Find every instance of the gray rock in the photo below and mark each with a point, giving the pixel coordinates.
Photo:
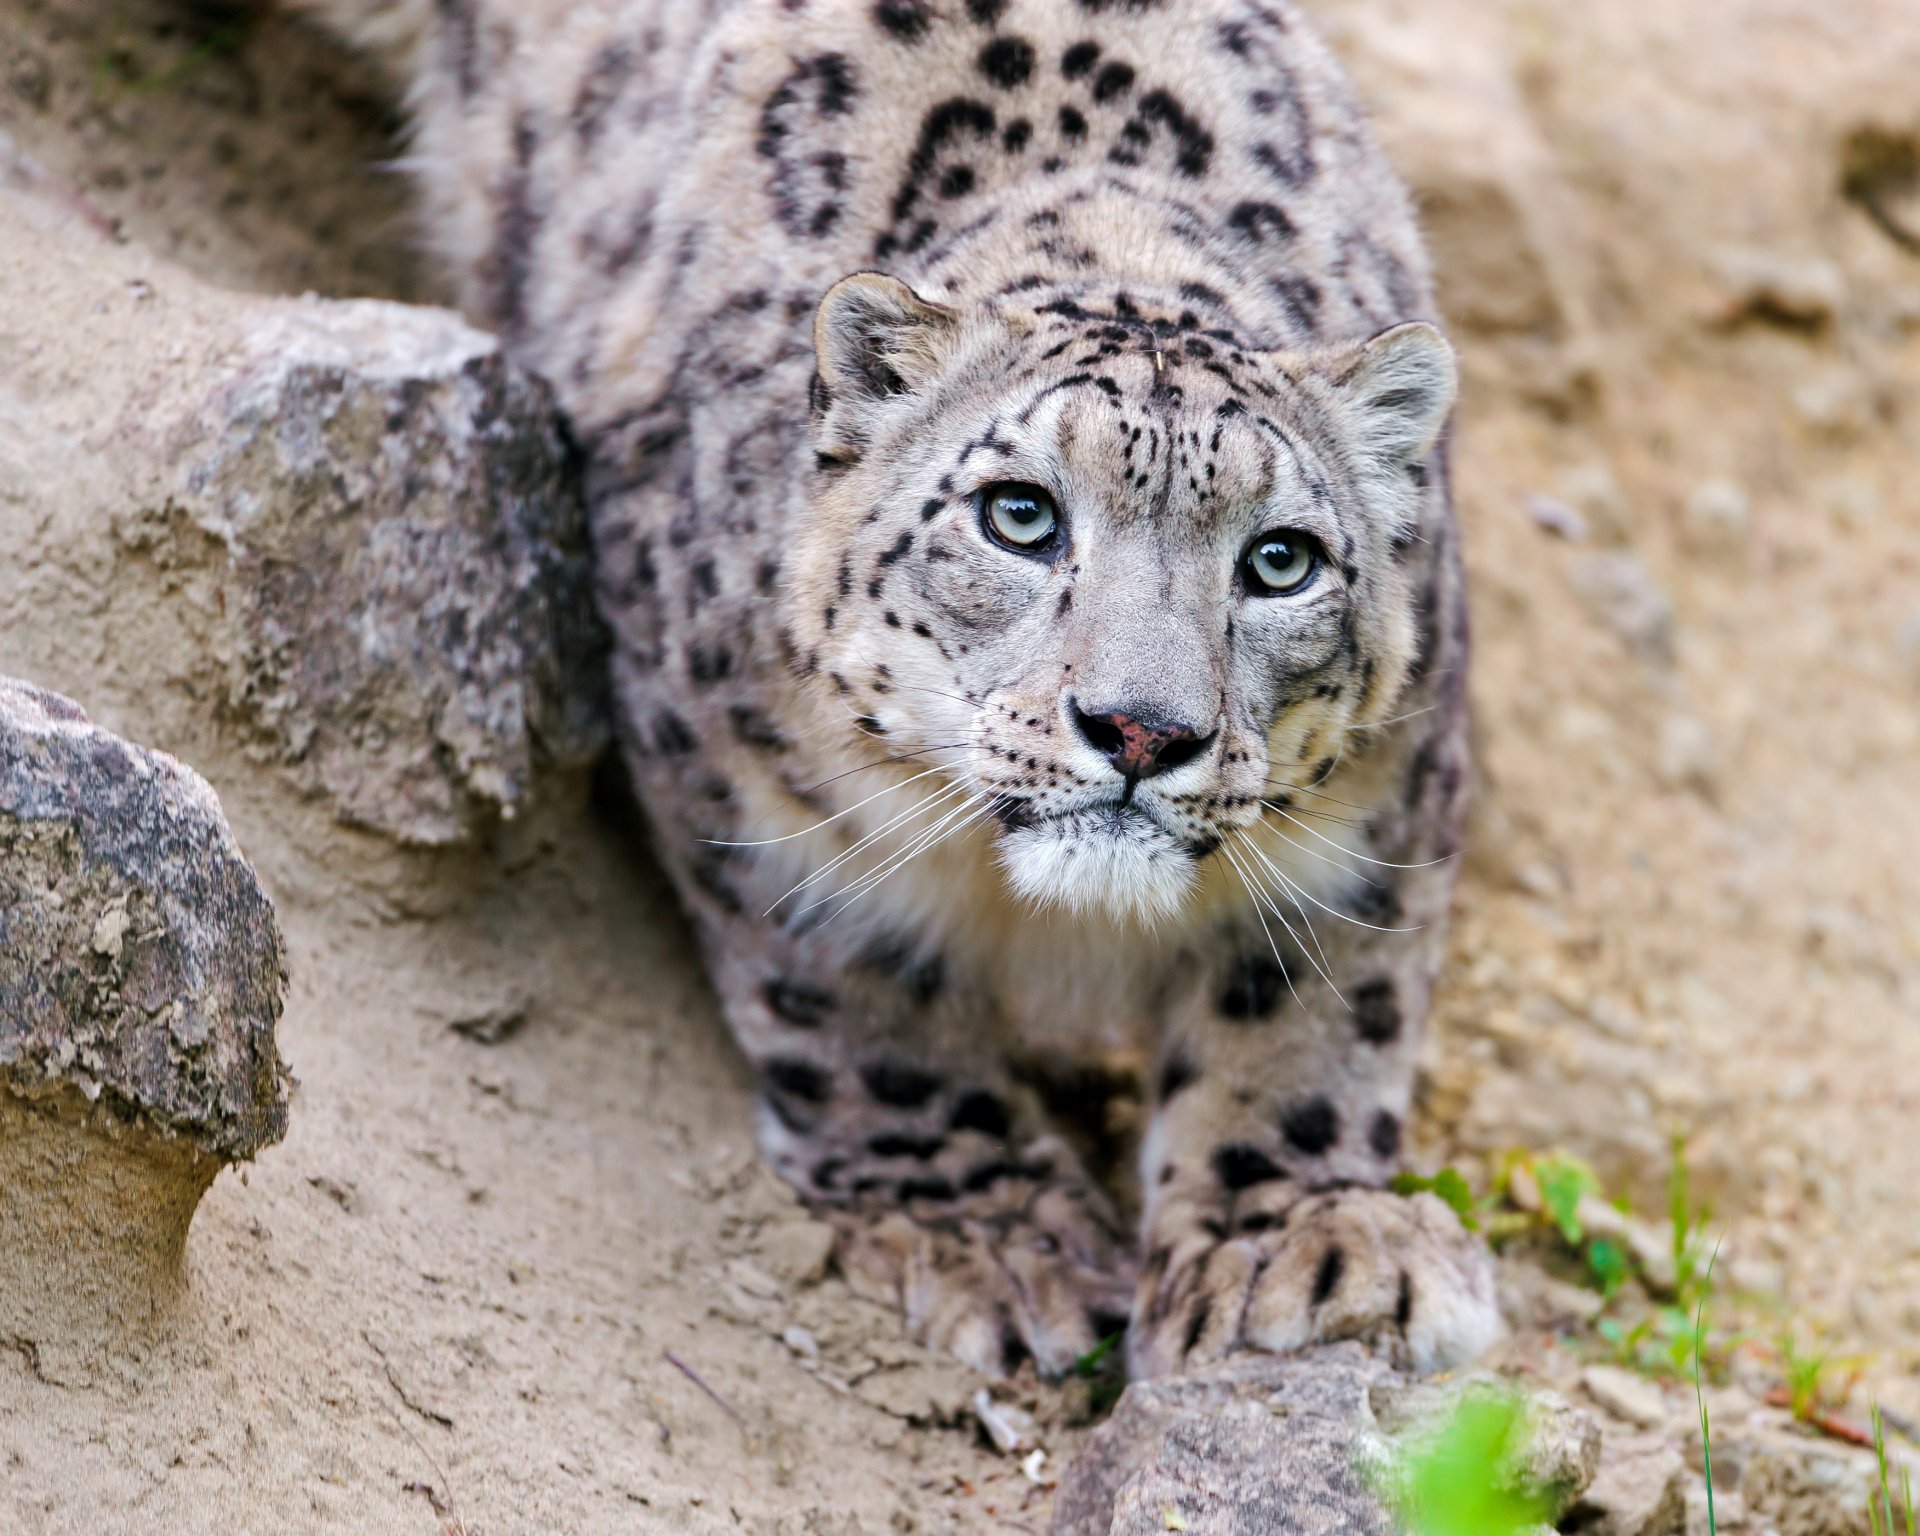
(396, 514)
(141, 969)
(1563, 1443)
(1802, 1487)
(1265, 1445)
(1781, 288)
(1625, 1395)
(349, 536)
(1639, 1489)
(1261, 1444)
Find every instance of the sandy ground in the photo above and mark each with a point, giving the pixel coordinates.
(456, 1295)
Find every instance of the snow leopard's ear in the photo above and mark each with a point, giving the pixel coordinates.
(1397, 387)
(873, 338)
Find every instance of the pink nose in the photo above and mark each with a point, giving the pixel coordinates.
(1139, 748)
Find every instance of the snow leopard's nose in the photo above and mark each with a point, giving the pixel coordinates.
(1140, 746)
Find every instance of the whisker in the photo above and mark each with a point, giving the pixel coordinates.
(1318, 794)
(921, 807)
(1377, 725)
(1286, 973)
(1296, 890)
(898, 757)
(1363, 857)
(1338, 821)
(1325, 967)
(766, 842)
(964, 815)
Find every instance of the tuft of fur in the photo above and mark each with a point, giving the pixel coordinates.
(1099, 863)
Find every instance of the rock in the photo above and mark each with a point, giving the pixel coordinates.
(1620, 592)
(1718, 516)
(1260, 1444)
(1805, 292)
(1687, 757)
(1455, 117)
(1294, 1444)
(347, 536)
(798, 1250)
(1836, 402)
(1557, 518)
(1640, 1489)
(398, 521)
(1592, 491)
(1625, 1395)
(1243, 1471)
(141, 977)
(1563, 1442)
(1802, 1487)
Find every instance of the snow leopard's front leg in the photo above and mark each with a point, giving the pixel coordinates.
(1282, 1096)
(885, 1104)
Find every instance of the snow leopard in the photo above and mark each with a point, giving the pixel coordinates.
(1016, 437)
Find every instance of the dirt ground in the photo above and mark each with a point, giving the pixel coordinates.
(540, 1284)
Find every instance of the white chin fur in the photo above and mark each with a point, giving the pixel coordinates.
(1099, 862)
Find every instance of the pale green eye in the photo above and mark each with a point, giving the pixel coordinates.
(1020, 516)
(1281, 562)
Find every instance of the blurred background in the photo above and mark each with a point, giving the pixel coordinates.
(1678, 244)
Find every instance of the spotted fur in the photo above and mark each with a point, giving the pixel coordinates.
(810, 277)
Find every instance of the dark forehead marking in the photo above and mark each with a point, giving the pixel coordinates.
(1072, 381)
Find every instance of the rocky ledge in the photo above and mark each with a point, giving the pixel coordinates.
(141, 977)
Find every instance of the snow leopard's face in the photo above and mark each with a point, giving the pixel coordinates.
(1121, 579)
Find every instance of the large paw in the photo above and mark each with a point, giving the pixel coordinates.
(1398, 1273)
(1029, 1267)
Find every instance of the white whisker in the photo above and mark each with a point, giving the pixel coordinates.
(1266, 897)
(1364, 858)
(1378, 725)
(1297, 890)
(955, 821)
(767, 842)
(919, 808)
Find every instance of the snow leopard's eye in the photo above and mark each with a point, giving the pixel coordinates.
(1280, 562)
(1022, 517)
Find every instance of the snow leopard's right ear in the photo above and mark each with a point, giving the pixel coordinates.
(874, 338)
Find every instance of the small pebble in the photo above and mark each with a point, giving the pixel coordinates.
(803, 1344)
(1790, 290)
(1625, 1395)
(1718, 515)
(1557, 518)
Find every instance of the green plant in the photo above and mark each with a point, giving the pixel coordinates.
(1450, 1186)
(1689, 1224)
(1107, 1380)
(1806, 1377)
(1881, 1513)
(1564, 1182)
(1465, 1478)
(1700, 1402)
(1667, 1340)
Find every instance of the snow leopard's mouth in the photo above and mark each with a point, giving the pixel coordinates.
(1116, 818)
(1107, 858)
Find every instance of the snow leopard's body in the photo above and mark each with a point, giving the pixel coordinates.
(1133, 253)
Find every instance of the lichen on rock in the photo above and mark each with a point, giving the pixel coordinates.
(140, 964)
(409, 625)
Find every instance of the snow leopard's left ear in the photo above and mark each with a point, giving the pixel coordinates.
(874, 338)
(1397, 387)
